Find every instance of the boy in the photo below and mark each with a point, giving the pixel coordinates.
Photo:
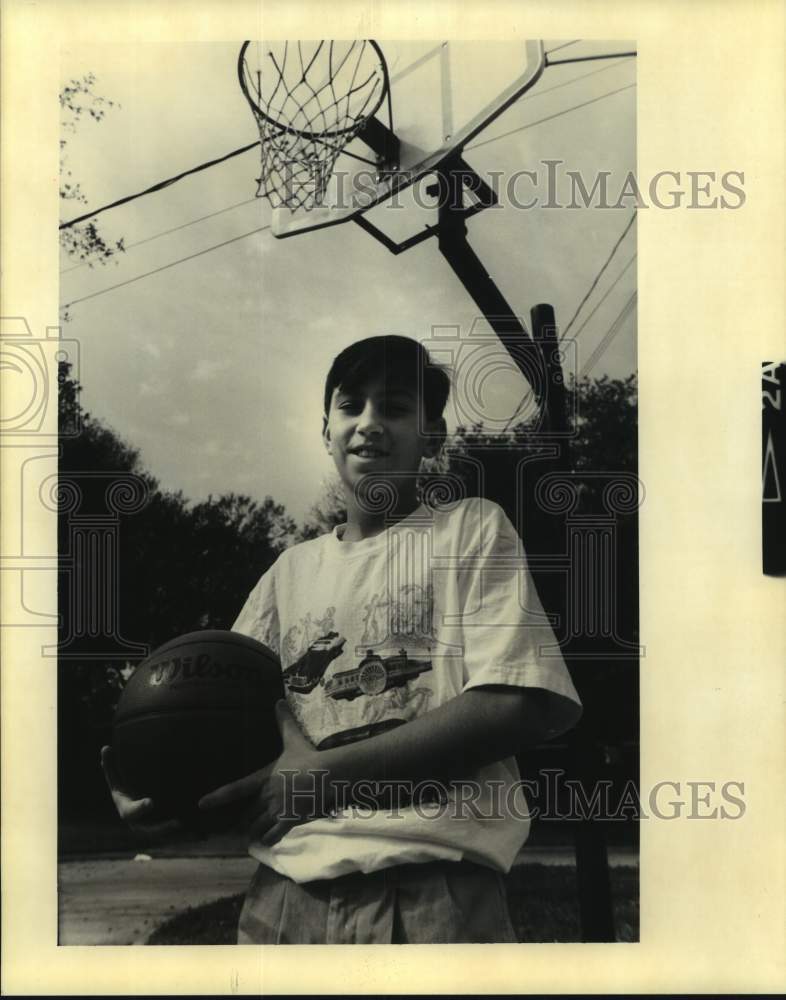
(410, 643)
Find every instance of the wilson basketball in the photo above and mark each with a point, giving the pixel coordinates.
(197, 714)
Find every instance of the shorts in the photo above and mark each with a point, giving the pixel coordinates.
(437, 902)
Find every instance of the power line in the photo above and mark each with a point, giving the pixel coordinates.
(164, 267)
(244, 149)
(160, 186)
(237, 152)
(596, 354)
(167, 232)
(516, 412)
(534, 94)
(598, 276)
(202, 218)
(563, 46)
(549, 118)
(610, 334)
(605, 295)
(578, 59)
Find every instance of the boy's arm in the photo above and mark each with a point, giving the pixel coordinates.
(478, 727)
(482, 725)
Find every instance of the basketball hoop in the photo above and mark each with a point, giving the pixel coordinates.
(310, 100)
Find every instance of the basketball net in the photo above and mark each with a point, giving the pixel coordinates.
(310, 100)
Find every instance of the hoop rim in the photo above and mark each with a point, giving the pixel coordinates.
(317, 136)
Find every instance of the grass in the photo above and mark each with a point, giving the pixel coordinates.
(542, 900)
(213, 923)
(544, 905)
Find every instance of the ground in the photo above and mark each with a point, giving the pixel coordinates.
(122, 900)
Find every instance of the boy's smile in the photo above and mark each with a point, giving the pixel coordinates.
(368, 452)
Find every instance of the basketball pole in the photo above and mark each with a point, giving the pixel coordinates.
(592, 863)
(466, 265)
(537, 358)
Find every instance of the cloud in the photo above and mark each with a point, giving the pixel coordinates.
(217, 448)
(207, 369)
(150, 389)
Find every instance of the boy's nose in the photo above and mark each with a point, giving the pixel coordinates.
(370, 420)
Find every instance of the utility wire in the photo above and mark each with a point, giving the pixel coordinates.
(217, 246)
(578, 59)
(244, 149)
(160, 186)
(167, 232)
(605, 295)
(603, 344)
(164, 267)
(610, 334)
(525, 398)
(563, 46)
(598, 276)
(549, 118)
(534, 94)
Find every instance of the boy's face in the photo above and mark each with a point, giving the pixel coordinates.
(379, 428)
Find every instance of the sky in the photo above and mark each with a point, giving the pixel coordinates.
(214, 366)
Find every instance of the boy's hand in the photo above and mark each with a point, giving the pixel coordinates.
(137, 814)
(280, 801)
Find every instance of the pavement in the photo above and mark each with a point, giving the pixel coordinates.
(121, 900)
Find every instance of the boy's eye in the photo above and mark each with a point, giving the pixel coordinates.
(392, 408)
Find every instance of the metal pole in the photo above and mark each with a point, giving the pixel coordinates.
(596, 908)
(466, 265)
(544, 330)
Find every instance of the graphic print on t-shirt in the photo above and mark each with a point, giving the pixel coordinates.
(343, 690)
(308, 671)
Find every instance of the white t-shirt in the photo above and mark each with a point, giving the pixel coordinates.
(374, 633)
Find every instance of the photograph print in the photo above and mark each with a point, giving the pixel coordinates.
(348, 494)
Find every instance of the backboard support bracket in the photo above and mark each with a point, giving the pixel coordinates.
(383, 141)
(454, 177)
(452, 171)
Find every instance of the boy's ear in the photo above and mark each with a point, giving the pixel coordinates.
(326, 436)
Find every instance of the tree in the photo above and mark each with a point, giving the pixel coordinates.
(604, 440)
(82, 242)
(606, 429)
(329, 510)
(235, 540)
(180, 567)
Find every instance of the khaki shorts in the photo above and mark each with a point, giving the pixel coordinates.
(438, 902)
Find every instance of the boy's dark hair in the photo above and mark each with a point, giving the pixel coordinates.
(395, 358)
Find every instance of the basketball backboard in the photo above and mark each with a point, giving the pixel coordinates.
(442, 94)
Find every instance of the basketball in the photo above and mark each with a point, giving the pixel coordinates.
(197, 714)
